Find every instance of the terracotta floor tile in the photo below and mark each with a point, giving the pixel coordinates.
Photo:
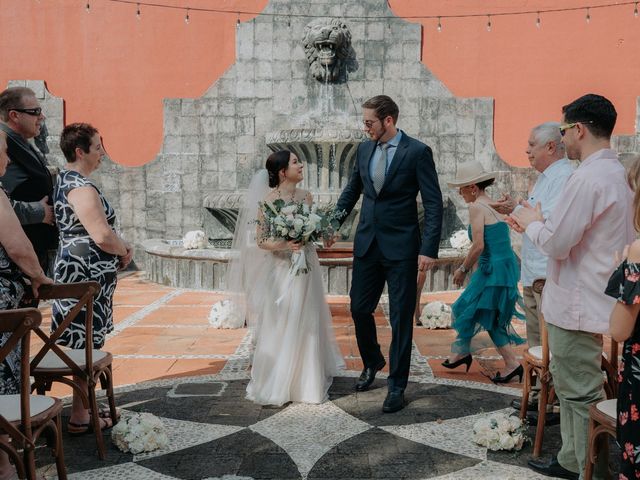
(178, 315)
(196, 298)
(186, 367)
(120, 313)
(143, 298)
(135, 370)
(214, 341)
(169, 341)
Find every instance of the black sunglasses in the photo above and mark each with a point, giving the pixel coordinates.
(36, 112)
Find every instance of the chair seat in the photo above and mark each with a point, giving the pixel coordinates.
(537, 352)
(10, 406)
(608, 407)
(51, 361)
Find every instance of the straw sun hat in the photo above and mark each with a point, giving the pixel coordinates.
(470, 173)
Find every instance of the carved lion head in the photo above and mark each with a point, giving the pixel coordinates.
(327, 44)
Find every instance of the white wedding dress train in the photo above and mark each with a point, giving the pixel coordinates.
(296, 356)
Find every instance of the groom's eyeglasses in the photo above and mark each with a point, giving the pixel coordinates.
(370, 123)
(34, 112)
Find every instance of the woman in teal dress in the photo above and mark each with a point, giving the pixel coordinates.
(489, 300)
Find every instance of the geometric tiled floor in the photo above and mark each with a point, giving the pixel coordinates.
(170, 362)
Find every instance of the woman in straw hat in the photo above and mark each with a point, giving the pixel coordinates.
(488, 302)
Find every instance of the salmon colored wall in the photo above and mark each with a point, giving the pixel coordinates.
(114, 70)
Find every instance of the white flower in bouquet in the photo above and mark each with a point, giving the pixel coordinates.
(436, 315)
(195, 239)
(499, 432)
(460, 240)
(139, 432)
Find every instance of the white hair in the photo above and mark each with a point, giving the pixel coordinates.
(549, 132)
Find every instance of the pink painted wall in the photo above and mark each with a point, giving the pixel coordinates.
(113, 70)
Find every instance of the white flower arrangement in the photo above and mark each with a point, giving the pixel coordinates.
(460, 240)
(224, 314)
(194, 240)
(436, 315)
(500, 432)
(139, 432)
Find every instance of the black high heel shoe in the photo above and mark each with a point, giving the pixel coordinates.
(466, 360)
(519, 371)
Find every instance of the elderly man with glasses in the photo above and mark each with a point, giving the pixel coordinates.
(27, 179)
(592, 219)
(546, 154)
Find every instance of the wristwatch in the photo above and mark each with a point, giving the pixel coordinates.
(462, 268)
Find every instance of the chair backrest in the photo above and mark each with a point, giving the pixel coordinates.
(19, 324)
(84, 292)
(537, 287)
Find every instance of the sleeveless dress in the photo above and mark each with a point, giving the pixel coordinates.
(624, 286)
(296, 355)
(79, 259)
(12, 289)
(489, 300)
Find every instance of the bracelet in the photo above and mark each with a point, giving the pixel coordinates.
(463, 269)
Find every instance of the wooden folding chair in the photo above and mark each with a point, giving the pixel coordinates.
(54, 364)
(602, 422)
(536, 364)
(25, 417)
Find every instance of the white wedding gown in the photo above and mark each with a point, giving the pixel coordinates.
(296, 356)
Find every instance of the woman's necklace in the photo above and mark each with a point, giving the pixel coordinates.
(286, 196)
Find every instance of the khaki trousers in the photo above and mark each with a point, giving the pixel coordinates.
(575, 367)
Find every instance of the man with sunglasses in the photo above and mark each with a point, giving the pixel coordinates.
(27, 179)
(592, 219)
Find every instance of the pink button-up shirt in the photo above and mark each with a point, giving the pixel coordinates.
(592, 219)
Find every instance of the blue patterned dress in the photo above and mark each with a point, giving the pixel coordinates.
(79, 259)
(11, 292)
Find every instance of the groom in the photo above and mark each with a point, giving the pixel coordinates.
(390, 169)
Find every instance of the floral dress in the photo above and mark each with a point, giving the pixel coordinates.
(79, 259)
(11, 292)
(624, 285)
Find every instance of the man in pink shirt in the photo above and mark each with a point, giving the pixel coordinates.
(592, 219)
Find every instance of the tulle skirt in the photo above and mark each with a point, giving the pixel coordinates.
(296, 356)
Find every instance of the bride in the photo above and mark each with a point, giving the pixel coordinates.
(296, 356)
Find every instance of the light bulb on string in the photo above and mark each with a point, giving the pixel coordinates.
(238, 20)
(88, 7)
(538, 21)
(186, 17)
(289, 21)
(588, 17)
(635, 10)
(488, 23)
(138, 12)
(439, 25)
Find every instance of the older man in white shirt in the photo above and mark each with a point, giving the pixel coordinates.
(546, 154)
(591, 221)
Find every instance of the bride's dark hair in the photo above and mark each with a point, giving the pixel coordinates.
(276, 162)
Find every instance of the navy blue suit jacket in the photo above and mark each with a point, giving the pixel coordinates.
(391, 217)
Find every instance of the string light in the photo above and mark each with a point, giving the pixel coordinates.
(439, 25)
(538, 21)
(88, 7)
(186, 17)
(138, 13)
(635, 10)
(238, 20)
(588, 17)
(488, 23)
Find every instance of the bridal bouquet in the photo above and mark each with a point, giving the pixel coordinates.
(436, 315)
(139, 432)
(500, 432)
(460, 240)
(301, 223)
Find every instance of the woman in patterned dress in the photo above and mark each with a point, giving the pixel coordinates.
(17, 259)
(624, 326)
(90, 248)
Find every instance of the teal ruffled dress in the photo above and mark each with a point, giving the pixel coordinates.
(489, 301)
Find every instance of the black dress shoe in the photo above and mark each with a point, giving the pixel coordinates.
(551, 418)
(393, 402)
(367, 376)
(517, 403)
(517, 372)
(552, 469)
